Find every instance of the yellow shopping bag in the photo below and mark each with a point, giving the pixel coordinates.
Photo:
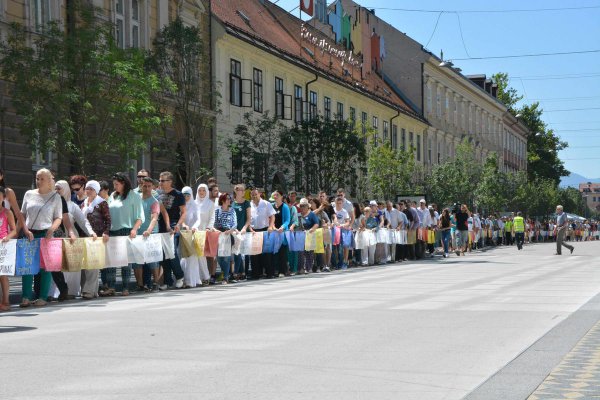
(320, 247)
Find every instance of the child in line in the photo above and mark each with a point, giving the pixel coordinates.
(7, 232)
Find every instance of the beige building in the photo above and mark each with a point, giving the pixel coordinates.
(591, 194)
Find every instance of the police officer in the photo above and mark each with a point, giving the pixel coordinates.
(519, 228)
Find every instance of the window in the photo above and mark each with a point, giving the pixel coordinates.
(42, 13)
(376, 130)
(135, 23)
(439, 152)
(403, 140)
(385, 131)
(258, 90)
(418, 147)
(298, 105)
(447, 108)
(411, 141)
(235, 83)
(438, 103)
(327, 107)
(429, 99)
(340, 111)
(236, 167)
(278, 97)
(312, 107)
(353, 117)
(364, 123)
(395, 137)
(120, 24)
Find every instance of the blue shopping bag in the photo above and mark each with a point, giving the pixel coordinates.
(299, 238)
(346, 238)
(276, 241)
(267, 242)
(28, 257)
(290, 238)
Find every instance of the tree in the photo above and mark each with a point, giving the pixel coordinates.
(490, 194)
(507, 95)
(255, 149)
(325, 154)
(389, 172)
(179, 56)
(79, 95)
(456, 179)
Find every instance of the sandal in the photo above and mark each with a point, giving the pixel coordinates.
(39, 303)
(25, 303)
(125, 292)
(4, 307)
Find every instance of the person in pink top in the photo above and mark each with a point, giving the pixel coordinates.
(7, 232)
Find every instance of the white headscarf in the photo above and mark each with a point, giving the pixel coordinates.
(88, 208)
(205, 208)
(191, 209)
(65, 191)
(203, 203)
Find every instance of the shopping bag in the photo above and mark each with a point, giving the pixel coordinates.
(267, 246)
(51, 254)
(277, 241)
(299, 239)
(257, 243)
(186, 245)
(326, 236)
(362, 240)
(168, 245)
(336, 235)
(411, 237)
(381, 235)
(310, 242)
(199, 241)
(246, 245)
(347, 238)
(135, 250)
(152, 249)
(94, 254)
(8, 258)
(403, 237)
(116, 252)
(319, 247)
(72, 260)
(211, 245)
(372, 236)
(237, 243)
(290, 238)
(28, 257)
(224, 246)
(430, 236)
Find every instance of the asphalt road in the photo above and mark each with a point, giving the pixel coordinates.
(436, 329)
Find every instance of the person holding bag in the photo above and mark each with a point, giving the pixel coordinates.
(42, 210)
(225, 222)
(307, 221)
(7, 232)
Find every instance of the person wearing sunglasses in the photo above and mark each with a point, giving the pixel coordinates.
(77, 186)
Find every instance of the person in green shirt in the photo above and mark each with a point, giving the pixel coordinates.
(519, 229)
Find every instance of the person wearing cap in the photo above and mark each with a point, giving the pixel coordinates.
(307, 221)
(95, 209)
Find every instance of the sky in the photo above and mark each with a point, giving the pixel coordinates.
(567, 86)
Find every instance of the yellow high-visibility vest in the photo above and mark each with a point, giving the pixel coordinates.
(519, 224)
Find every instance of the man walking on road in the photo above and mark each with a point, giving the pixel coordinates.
(519, 227)
(562, 224)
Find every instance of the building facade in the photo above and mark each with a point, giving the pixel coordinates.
(591, 194)
(267, 60)
(136, 23)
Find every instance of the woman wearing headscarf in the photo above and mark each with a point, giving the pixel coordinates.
(190, 265)
(42, 210)
(95, 209)
(205, 211)
(79, 224)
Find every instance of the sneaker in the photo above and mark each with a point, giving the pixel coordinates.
(326, 269)
(179, 283)
(344, 266)
(162, 287)
(445, 255)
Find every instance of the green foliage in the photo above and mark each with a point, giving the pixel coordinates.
(506, 94)
(179, 56)
(389, 172)
(256, 146)
(78, 94)
(457, 179)
(490, 192)
(325, 154)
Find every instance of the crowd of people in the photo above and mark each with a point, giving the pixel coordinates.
(79, 207)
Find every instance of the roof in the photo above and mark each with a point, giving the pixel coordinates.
(274, 29)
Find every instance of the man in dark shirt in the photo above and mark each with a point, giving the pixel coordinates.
(174, 203)
(462, 230)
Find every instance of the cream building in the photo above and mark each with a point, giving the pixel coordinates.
(263, 64)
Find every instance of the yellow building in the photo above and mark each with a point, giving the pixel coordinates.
(265, 59)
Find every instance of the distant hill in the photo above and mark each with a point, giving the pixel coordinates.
(574, 180)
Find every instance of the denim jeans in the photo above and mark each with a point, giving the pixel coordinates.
(238, 264)
(173, 265)
(446, 240)
(224, 263)
(338, 253)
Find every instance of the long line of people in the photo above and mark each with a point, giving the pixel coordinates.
(86, 208)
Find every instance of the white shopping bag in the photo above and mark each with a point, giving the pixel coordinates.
(153, 251)
(8, 258)
(168, 245)
(224, 249)
(116, 252)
